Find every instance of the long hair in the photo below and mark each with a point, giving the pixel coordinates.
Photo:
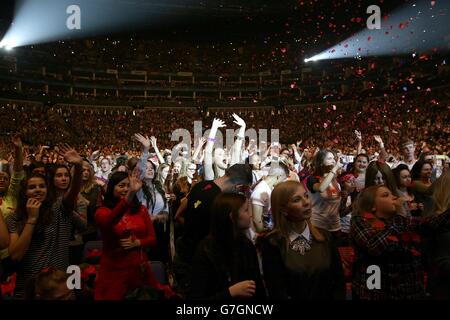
(45, 212)
(396, 171)
(88, 185)
(158, 173)
(110, 201)
(224, 215)
(386, 172)
(279, 199)
(441, 193)
(158, 187)
(366, 200)
(51, 178)
(317, 163)
(417, 168)
(181, 186)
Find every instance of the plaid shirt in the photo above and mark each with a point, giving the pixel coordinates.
(395, 249)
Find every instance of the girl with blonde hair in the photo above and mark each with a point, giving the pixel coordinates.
(299, 260)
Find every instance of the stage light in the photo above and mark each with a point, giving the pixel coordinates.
(402, 33)
(8, 44)
(45, 21)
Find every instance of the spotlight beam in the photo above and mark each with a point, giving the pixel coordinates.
(412, 29)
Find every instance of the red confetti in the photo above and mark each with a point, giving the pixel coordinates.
(369, 38)
(392, 238)
(377, 224)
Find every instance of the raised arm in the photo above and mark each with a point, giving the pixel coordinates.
(18, 153)
(383, 154)
(145, 142)
(106, 217)
(237, 146)
(72, 157)
(201, 143)
(209, 171)
(155, 147)
(327, 181)
(297, 156)
(359, 139)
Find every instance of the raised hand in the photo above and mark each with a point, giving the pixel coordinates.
(358, 135)
(378, 139)
(238, 120)
(202, 141)
(217, 123)
(144, 140)
(32, 207)
(299, 142)
(17, 142)
(135, 181)
(69, 154)
(95, 155)
(153, 141)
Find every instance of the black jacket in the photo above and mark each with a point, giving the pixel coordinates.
(213, 273)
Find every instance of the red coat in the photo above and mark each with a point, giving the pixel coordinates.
(123, 270)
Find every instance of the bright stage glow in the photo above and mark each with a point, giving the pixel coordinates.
(417, 29)
(8, 44)
(44, 21)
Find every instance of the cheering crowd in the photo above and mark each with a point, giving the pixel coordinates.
(257, 220)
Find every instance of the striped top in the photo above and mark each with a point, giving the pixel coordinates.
(48, 248)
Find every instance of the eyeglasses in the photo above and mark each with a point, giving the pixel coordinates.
(4, 178)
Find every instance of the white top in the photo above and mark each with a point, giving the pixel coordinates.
(360, 182)
(305, 234)
(158, 206)
(261, 197)
(257, 175)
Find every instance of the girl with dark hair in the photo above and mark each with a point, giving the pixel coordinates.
(385, 238)
(153, 197)
(38, 167)
(403, 180)
(59, 181)
(379, 173)
(300, 261)
(422, 186)
(225, 264)
(41, 228)
(359, 170)
(325, 192)
(126, 230)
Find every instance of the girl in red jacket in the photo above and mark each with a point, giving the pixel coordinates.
(126, 230)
